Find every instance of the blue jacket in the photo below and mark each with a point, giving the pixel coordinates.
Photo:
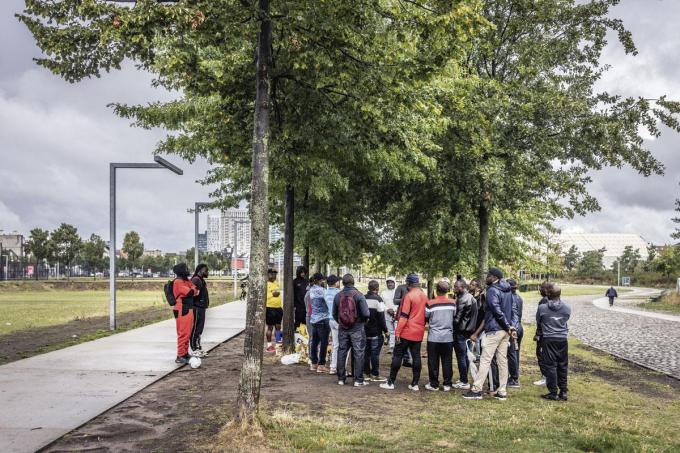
(500, 311)
(518, 308)
(611, 292)
(319, 306)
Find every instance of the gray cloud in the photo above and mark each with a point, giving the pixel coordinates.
(56, 140)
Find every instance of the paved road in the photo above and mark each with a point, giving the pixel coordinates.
(650, 339)
(46, 396)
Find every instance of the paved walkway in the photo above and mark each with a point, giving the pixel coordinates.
(46, 396)
(647, 338)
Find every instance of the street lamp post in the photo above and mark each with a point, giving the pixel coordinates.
(159, 163)
(197, 206)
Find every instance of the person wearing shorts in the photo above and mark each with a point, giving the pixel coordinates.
(274, 311)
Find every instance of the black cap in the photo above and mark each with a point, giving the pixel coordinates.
(496, 272)
(512, 282)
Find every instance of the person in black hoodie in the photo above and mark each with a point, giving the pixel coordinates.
(543, 290)
(300, 284)
(200, 306)
(375, 328)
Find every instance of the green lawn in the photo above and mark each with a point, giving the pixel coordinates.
(581, 290)
(24, 310)
(612, 407)
(670, 303)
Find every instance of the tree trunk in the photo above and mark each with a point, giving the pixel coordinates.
(288, 295)
(483, 256)
(248, 397)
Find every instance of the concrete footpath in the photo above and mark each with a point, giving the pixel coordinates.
(636, 295)
(46, 396)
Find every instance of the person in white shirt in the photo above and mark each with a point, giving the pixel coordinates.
(390, 310)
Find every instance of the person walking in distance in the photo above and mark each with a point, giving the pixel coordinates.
(184, 292)
(390, 314)
(611, 295)
(514, 348)
(350, 311)
(201, 304)
(543, 291)
(333, 282)
(464, 325)
(409, 333)
(498, 329)
(274, 309)
(553, 318)
(440, 314)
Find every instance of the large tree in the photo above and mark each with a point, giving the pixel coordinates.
(40, 246)
(530, 125)
(133, 247)
(66, 243)
(92, 253)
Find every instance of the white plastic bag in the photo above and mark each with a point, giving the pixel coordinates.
(471, 358)
(290, 359)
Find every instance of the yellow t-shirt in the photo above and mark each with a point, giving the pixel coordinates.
(272, 301)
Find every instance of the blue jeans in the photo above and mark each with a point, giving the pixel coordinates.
(460, 346)
(319, 343)
(372, 356)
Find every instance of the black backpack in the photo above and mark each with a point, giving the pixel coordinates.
(169, 293)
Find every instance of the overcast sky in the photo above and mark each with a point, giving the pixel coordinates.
(56, 140)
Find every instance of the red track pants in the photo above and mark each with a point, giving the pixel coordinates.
(183, 324)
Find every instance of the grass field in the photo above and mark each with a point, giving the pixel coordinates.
(670, 303)
(26, 309)
(613, 407)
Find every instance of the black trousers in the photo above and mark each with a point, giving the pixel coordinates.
(400, 350)
(440, 353)
(513, 357)
(555, 358)
(539, 355)
(197, 329)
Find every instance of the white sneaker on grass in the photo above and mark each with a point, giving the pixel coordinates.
(540, 381)
(387, 386)
(461, 385)
(360, 384)
(447, 388)
(415, 388)
(429, 387)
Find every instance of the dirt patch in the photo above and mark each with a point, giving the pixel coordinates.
(629, 375)
(29, 342)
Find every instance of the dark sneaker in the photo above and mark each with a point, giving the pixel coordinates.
(407, 364)
(472, 395)
(563, 396)
(550, 397)
(181, 360)
(500, 396)
(513, 384)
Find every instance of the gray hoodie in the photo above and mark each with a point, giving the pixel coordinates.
(552, 319)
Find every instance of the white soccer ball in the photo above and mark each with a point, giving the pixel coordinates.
(194, 362)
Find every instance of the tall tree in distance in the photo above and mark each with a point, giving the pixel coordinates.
(40, 246)
(676, 220)
(133, 247)
(66, 244)
(571, 258)
(93, 253)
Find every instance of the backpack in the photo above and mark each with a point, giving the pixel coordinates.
(347, 312)
(169, 293)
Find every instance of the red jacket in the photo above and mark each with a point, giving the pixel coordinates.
(181, 289)
(411, 324)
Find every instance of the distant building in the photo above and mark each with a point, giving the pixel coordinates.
(213, 234)
(203, 242)
(154, 253)
(12, 244)
(613, 243)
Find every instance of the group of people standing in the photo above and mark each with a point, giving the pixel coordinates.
(461, 318)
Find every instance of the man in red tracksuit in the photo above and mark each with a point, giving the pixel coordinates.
(184, 291)
(409, 332)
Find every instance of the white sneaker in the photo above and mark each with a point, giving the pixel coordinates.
(429, 387)
(387, 386)
(415, 388)
(341, 382)
(360, 384)
(461, 385)
(333, 371)
(447, 388)
(540, 382)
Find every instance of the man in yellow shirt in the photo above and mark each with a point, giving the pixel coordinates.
(274, 311)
